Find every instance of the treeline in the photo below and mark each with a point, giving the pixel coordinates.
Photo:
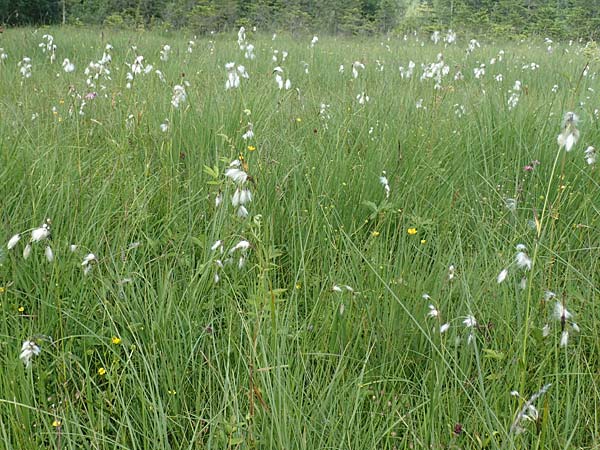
(515, 18)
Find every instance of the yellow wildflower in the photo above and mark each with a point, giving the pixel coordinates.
(116, 340)
(101, 371)
(412, 231)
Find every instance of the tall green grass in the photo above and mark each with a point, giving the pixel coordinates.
(147, 352)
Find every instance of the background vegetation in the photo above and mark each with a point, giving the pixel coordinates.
(509, 18)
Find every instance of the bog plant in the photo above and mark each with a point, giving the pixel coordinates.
(397, 249)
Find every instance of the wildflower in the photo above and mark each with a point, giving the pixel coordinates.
(564, 338)
(41, 233)
(433, 311)
(444, 328)
(561, 313)
(27, 251)
(87, 263)
(49, 253)
(115, 340)
(248, 134)
(25, 67)
(362, 98)
(384, 182)
(89, 258)
(164, 52)
(179, 95)
(56, 423)
(528, 412)
(546, 330)
(73, 247)
(412, 231)
(355, 66)
(314, 40)
(68, 66)
(278, 71)
(164, 127)
(523, 283)
(251, 148)
(502, 276)
(29, 349)
(522, 259)
(13, 241)
(237, 175)
(243, 245)
(470, 322)
(451, 268)
(590, 155)
(570, 134)
(233, 78)
(101, 371)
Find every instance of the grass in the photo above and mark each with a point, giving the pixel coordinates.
(146, 351)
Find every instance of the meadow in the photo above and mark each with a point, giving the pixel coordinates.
(345, 243)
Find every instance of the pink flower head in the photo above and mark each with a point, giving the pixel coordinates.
(90, 95)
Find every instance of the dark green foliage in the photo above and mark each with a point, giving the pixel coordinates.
(509, 18)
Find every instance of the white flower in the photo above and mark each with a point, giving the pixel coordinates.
(314, 40)
(49, 253)
(564, 338)
(164, 53)
(29, 349)
(237, 175)
(217, 245)
(68, 66)
(13, 241)
(243, 245)
(433, 312)
(179, 96)
(386, 186)
(502, 276)
(523, 283)
(164, 127)
(27, 251)
(546, 330)
(242, 212)
(561, 313)
(470, 322)
(362, 98)
(73, 247)
(248, 134)
(41, 233)
(549, 295)
(444, 328)
(218, 199)
(355, 66)
(590, 155)
(89, 258)
(523, 261)
(451, 270)
(570, 134)
(336, 288)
